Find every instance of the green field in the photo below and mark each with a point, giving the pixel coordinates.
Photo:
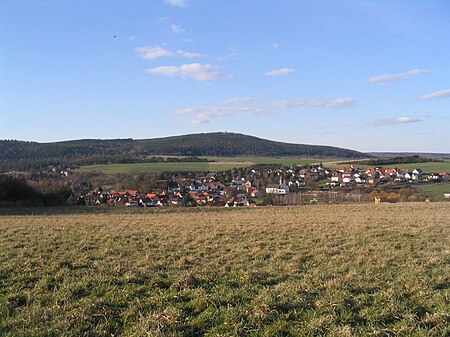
(145, 167)
(330, 270)
(222, 163)
(443, 166)
(435, 190)
(272, 160)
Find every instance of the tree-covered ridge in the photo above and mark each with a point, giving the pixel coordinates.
(20, 155)
(395, 161)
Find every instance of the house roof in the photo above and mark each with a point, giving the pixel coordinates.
(276, 186)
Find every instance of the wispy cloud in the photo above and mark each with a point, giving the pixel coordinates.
(393, 77)
(318, 103)
(394, 121)
(176, 3)
(229, 56)
(177, 29)
(237, 100)
(202, 115)
(436, 94)
(188, 54)
(273, 45)
(279, 72)
(196, 71)
(132, 37)
(150, 53)
(239, 106)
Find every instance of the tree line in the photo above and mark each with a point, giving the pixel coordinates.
(395, 161)
(20, 155)
(18, 192)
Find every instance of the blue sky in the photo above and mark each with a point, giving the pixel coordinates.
(366, 75)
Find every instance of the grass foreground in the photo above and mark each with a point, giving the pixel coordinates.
(337, 270)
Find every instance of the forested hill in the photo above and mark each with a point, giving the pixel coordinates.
(20, 155)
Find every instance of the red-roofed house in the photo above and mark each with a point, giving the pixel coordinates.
(256, 194)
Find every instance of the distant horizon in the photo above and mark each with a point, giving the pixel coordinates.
(366, 75)
(232, 132)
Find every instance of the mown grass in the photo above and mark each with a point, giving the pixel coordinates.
(430, 167)
(435, 190)
(136, 168)
(339, 270)
(226, 163)
(273, 160)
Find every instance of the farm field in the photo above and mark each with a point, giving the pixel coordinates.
(336, 270)
(272, 160)
(443, 166)
(435, 190)
(136, 168)
(215, 164)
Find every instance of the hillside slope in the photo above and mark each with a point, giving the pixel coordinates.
(19, 155)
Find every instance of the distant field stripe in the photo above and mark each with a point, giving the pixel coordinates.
(146, 167)
(443, 166)
(214, 164)
(435, 190)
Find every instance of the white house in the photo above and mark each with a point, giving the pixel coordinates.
(277, 189)
(335, 178)
(346, 178)
(416, 174)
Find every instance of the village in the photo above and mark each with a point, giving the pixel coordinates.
(257, 186)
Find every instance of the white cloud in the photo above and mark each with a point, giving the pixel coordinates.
(150, 53)
(202, 115)
(436, 94)
(392, 77)
(237, 100)
(190, 110)
(229, 56)
(132, 37)
(196, 71)
(273, 45)
(318, 103)
(279, 72)
(176, 3)
(393, 121)
(188, 54)
(177, 29)
(237, 106)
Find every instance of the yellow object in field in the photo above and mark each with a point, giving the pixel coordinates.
(377, 200)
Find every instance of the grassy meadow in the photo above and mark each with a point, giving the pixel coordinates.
(335, 270)
(443, 166)
(136, 168)
(214, 164)
(435, 190)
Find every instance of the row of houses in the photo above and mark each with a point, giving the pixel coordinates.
(241, 190)
(208, 190)
(345, 176)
